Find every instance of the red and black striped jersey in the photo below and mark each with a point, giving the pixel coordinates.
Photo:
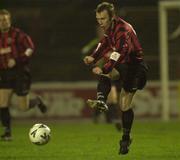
(13, 44)
(120, 38)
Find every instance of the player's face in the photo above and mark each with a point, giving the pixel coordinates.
(5, 23)
(103, 19)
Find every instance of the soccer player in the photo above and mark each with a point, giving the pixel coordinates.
(126, 57)
(16, 49)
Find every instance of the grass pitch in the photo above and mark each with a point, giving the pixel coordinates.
(86, 141)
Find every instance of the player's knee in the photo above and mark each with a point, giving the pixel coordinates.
(125, 105)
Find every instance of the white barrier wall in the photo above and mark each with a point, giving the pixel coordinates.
(68, 100)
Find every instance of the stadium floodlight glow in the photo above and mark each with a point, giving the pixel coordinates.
(164, 6)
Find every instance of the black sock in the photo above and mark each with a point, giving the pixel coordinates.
(34, 102)
(103, 88)
(5, 119)
(127, 120)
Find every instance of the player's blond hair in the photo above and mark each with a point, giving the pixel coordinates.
(109, 7)
(5, 12)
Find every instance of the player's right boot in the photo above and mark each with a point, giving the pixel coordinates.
(124, 146)
(6, 136)
(100, 105)
(42, 107)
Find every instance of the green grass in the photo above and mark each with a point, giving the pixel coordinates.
(86, 141)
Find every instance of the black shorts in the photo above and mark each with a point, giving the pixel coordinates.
(17, 79)
(117, 83)
(133, 76)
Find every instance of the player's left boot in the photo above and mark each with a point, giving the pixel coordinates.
(42, 107)
(124, 146)
(6, 136)
(100, 105)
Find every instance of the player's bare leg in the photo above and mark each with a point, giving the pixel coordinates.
(26, 103)
(127, 120)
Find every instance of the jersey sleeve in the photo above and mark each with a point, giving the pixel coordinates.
(101, 49)
(137, 47)
(25, 44)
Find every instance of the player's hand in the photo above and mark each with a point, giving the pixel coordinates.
(88, 60)
(11, 63)
(97, 70)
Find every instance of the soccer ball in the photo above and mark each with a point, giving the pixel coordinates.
(39, 134)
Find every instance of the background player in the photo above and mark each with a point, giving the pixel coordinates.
(16, 49)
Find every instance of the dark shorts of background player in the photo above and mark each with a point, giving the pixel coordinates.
(17, 79)
(117, 84)
(133, 76)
